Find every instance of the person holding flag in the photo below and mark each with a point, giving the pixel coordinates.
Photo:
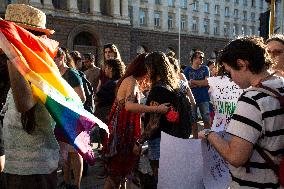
(38, 94)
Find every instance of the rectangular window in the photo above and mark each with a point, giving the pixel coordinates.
(236, 1)
(244, 30)
(194, 25)
(261, 4)
(157, 2)
(235, 32)
(170, 22)
(206, 26)
(195, 6)
(216, 28)
(245, 15)
(226, 29)
(157, 19)
(142, 17)
(182, 23)
(245, 2)
(252, 16)
(217, 9)
(170, 3)
(206, 7)
(236, 13)
(227, 11)
(253, 3)
(183, 4)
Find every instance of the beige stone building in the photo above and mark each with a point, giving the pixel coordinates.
(133, 25)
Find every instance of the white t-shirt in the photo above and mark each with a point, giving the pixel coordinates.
(224, 95)
(28, 154)
(259, 119)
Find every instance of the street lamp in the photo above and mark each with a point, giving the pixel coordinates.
(179, 28)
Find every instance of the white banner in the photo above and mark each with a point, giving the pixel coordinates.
(190, 163)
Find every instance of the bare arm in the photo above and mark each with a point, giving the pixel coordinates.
(191, 97)
(236, 151)
(2, 163)
(132, 89)
(21, 90)
(80, 91)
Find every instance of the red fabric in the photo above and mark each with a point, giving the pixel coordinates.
(124, 127)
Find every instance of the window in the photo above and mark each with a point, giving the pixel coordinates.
(171, 3)
(261, 4)
(194, 25)
(227, 11)
(236, 1)
(252, 16)
(183, 4)
(250, 31)
(245, 2)
(206, 26)
(195, 6)
(157, 2)
(206, 7)
(142, 17)
(253, 3)
(243, 30)
(217, 9)
(170, 22)
(236, 13)
(216, 28)
(235, 32)
(182, 23)
(226, 29)
(245, 15)
(157, 19)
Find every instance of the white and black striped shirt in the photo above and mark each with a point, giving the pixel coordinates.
(259, 119)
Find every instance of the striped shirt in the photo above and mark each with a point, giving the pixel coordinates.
(259, 119)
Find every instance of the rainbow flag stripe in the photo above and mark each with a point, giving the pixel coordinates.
(33, 58)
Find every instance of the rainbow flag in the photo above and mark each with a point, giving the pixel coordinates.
(33, 58)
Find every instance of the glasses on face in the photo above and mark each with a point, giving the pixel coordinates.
(275, 52)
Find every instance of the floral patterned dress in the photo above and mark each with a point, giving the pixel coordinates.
(124, 127)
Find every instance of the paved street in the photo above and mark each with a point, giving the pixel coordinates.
(92, 180)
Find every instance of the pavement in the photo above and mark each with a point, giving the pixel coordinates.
(92, 180)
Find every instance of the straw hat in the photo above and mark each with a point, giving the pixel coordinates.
(27, 17)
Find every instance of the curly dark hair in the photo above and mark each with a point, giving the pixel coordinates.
(158, 65)
(249, 48)
(118, 68)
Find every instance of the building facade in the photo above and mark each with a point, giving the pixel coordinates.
(135, 25)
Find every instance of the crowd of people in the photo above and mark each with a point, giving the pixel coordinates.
(232, 95)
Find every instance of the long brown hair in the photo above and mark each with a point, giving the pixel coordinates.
(136, 68)
(159, 66)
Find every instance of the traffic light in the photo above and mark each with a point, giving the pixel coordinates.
(264, 24)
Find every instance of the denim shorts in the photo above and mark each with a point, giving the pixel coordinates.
(154, 149)
(204, 110)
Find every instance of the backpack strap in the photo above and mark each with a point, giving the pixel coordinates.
(268, 160)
